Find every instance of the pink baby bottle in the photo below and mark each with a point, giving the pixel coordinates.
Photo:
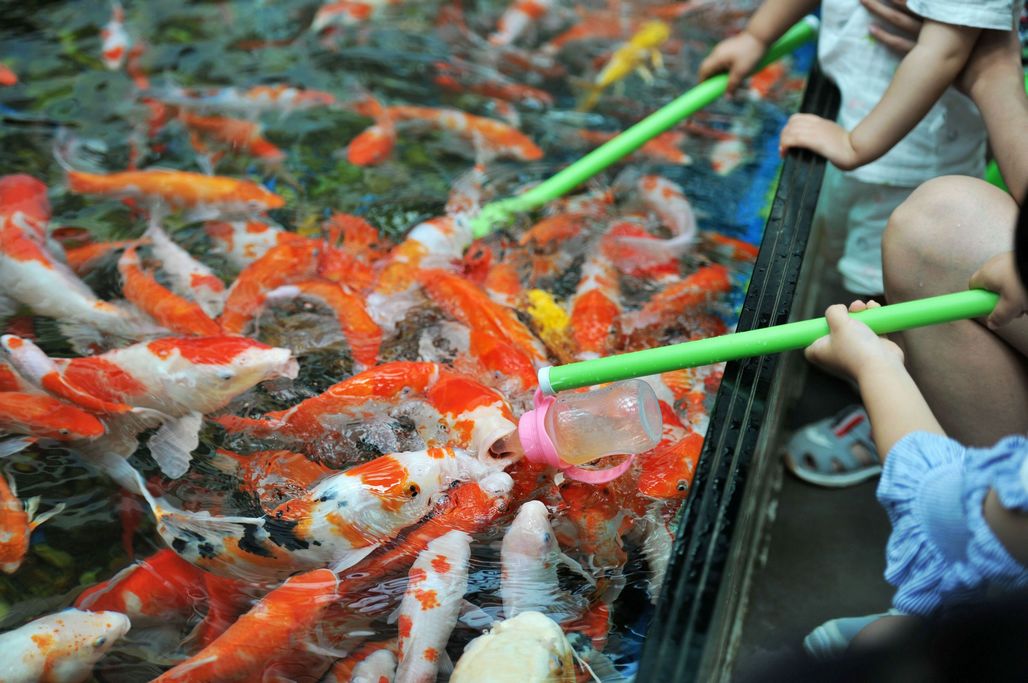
(574, 428)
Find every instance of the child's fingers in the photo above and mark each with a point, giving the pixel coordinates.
(1006, 310)
(837, 316)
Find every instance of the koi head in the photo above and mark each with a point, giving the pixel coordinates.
(258, 199)
(530, 535)
(72, 641)
(344, 13)
(221, 368)
(652, 34)
(266, 151)
(71, 424)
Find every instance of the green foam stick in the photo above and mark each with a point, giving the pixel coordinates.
(892, 318)
(500, 213)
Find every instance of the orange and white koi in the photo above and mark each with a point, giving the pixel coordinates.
(457, 76)
(347, 12)
(46, 417)
(373, 145)
(357, 236)
(360, 330)
(629, 58)
(430, 607)
(243, 242)
(11, 380)
(238, 135)
(682, 297)
(727, 155)
(489, 136)
(278, 97)
(179, 315)
(286, 262)
(667, 200)
(189, 277)
(180, 190)
(17, 522)
(594, 523)
(595, 307)
(160, 588)
(337, 523)
(60, 647)
(473, 307)
(115, 40)
(517, 18)
(377, 667)
(475, 416)
(276, 625)
(32, 276)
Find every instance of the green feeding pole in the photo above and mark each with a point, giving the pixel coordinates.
(500, 213)
(935, 310)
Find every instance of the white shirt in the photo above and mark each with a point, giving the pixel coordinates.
(951, 137)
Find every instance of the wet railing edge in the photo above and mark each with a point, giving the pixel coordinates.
(684, 625)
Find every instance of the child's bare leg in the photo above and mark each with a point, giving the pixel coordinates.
(975, 382)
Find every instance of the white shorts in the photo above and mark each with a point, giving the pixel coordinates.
(857, 211)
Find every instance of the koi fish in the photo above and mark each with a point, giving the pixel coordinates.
(605, 26)
(151, 591)
(347, 13)
(277, 624)
(630, 58)
(488, 135)
(358, 237)
(287, 262)
(243, 242)
(46, 417)
(529, 647)
(518, 17)
(686, 295)
(667, 200)
(238, 135)
(84, 258)
(594, 523)
(528, 560)
(60, 647)
(189, 277)
(360, 330)
(337, 523)
(171, 311)
(251, 102)
(180, 190)
(430, 607)
(475, 416)
(17, 522)
(377, 667)
(595, 308)
(458, 76)
(114, 38)
(32, 276)
(728, 155)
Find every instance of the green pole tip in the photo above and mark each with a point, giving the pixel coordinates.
(492, 217)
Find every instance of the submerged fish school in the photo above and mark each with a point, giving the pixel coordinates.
(445, 341)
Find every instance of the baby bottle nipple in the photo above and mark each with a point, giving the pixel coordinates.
(578, 427)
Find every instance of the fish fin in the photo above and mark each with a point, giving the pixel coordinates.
(12, 446)
(445, 663)
(352, 557)
(332, 653)
(576, 566)
(173, 444)
(84, 338)
(53, 512)
(474, 616)
(645, 73)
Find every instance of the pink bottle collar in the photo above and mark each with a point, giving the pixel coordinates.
(539, 447)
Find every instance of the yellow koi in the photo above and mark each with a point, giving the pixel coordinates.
(628, 58)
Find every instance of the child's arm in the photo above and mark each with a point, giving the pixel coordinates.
(893, 402)
(919, 82)
(740, 53)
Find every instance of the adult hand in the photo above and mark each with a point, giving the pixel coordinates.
(895, 26)
(851, 348)
(999, 274)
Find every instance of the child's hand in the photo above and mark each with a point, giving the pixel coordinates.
(852, 348)
(999, 274)
(736, 55)
(825, 137)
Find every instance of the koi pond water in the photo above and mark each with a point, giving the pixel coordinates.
(260, 382)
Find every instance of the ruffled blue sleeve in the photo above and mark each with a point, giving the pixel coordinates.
(920, 489)
(941, 549)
